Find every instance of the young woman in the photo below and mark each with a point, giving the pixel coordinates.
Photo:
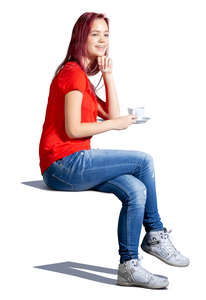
(68, 163)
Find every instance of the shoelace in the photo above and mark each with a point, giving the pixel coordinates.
(167, 242)
(143, 271)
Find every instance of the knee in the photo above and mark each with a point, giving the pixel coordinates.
(149, 161)
(148, 157)
(138, 194)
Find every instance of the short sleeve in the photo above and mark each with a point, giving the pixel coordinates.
(71, 78)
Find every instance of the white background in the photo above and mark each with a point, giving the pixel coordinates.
(158, 52)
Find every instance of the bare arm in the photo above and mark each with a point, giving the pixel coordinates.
(112, 102)
(73, 126)
(101, 108)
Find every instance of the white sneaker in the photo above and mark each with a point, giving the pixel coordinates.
(158, 243)
(131, 273)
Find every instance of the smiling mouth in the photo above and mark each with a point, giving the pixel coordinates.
(100, 47)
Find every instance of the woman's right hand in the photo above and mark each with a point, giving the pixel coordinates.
(124, 121)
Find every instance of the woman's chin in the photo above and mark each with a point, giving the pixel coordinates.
(100, 53)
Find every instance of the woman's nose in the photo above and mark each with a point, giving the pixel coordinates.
(102, 38)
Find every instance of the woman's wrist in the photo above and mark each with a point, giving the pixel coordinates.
(111, 124)
(107, 76)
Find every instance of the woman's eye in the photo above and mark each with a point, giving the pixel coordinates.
(104, 35)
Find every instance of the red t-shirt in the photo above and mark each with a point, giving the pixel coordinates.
(55, 143)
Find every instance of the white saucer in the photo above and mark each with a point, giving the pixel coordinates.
(143, 120)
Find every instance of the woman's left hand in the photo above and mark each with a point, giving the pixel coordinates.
(105, 64)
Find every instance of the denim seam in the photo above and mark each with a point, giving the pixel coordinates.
(116, 185)
(94, 169)
(69, 184)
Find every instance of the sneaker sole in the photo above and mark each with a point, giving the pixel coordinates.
(121, 281)
(162, 259)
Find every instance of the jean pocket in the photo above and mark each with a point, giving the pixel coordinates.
(55, 181)
(68, 172)
(60, 183)
(64, 168)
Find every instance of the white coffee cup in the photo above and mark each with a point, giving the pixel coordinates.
(137, 111)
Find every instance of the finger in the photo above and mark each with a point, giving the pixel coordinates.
(132, 116)
(105, 62)
(102, 62)
(99, 61)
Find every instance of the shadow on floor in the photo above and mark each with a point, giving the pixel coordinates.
(73, 268)
(39, 184)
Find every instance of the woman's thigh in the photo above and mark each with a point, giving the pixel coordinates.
(94, 166)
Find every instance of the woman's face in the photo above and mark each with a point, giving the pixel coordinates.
(98, 39)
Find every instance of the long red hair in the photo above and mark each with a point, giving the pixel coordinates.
(77, 46)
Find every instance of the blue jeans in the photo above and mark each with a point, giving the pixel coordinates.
(129, 174)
